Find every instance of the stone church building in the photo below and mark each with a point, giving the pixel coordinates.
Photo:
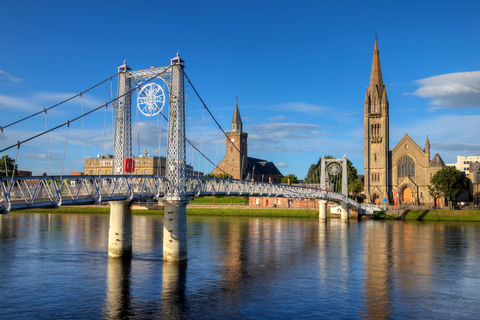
(400, 175)
(237, 163)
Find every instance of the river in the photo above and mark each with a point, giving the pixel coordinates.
(55, 266)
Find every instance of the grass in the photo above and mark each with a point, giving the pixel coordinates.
(220, 200)
(421, 215)
(442, 215)
(305, 213)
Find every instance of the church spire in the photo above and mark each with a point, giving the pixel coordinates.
(376, 81)
(236, 124)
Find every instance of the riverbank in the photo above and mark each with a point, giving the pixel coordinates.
(226, 210)
(191, 210)
(431, 215)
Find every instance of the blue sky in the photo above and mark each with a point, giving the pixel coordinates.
(300, 70)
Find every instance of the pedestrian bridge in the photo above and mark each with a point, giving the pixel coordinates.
(20, 193)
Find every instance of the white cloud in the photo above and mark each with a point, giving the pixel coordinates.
(9, 78)
(452, 90)
(281, 165)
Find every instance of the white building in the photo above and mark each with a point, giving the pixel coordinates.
(463, 163)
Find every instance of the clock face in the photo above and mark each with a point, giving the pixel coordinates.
(233, 140)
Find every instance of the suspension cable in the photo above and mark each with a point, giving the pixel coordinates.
(201, 141)
(83, 115)
(198, 95)
(48, 144)
(4, 154)
(65, 149)
(62, 102)
(83, 130)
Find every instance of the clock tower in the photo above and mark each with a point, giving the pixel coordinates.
(236, 151)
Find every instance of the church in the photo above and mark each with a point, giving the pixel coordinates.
(400, 175)
(237, 163)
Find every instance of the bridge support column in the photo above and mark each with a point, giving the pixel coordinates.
(322, 211)
(344, 215)
(120, 231)
(175, 231)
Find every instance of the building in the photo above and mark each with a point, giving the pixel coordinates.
(400, 175)
(237, 163)
(463, 163)
(145, 164)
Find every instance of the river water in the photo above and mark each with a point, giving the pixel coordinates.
(55, 266)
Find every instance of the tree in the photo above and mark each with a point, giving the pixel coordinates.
(448, 182)
(10, 166)
(292, 177)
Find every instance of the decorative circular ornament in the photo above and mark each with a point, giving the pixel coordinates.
(334, 169)
(151, 99)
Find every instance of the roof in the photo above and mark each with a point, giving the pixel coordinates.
(376, 80)
(236, 115)
(437, 161)
(262, 166)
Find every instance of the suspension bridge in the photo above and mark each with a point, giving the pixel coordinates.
(122, 187)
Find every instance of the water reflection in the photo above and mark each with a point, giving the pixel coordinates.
(118, 288)
(174, 276)
(239, 268)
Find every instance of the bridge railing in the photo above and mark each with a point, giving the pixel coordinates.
(226, 187)
(22, 193)
(53, 191)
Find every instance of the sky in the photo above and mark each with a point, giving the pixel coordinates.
(300, 70)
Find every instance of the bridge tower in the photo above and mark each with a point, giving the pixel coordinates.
(175, 219)
(334, 169)
(123, 120)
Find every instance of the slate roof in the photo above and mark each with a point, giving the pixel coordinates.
(437, 161)
(262, 166)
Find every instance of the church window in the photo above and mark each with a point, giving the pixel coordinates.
(375, 157)
(406, 167)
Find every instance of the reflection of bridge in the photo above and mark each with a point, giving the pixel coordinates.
(175, 188)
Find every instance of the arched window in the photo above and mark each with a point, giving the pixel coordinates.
(406, 167)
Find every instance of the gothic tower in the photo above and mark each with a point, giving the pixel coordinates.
(376, 135)
(236, 151)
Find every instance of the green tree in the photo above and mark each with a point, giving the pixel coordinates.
(293, 178)
(10, 166)
(448, 182)
(313, 174)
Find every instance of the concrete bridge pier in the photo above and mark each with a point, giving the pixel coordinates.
(322, 211)
(344, 215)
(175, 231)
(120, 231)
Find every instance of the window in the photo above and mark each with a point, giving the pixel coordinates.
(138, 171)
(91, 172)
(256, 200)
(406, 167)
(278, 201)
(145, 171)
(107, 172)
(99, 172)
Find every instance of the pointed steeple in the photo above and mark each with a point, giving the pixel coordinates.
(376, 97)
(236, 124)
(376, 80)
(427, 145)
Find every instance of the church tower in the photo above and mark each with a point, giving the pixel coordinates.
(236, 151)
(376, 135)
